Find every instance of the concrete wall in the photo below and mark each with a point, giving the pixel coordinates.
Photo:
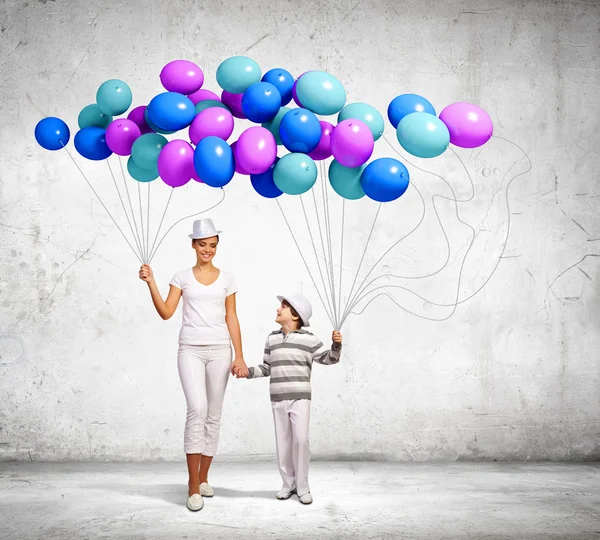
(88, 370)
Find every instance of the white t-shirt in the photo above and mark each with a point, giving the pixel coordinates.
(203, 321)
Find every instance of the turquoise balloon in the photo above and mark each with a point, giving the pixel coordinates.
(320, 93)
(295, 173)
(273, 125)
(146, 148)
(367, 114)
(92, 115)
(114, 97)
(139, 174)
(208, 103)
(346, 180)
(423, 135)
(237, 74)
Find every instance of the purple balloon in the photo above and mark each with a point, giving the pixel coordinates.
(238, 167)
(234, 102)
(469, 125)
(294, 95)
(176, 163)
(323, 149)
(182, 76)
(212, 121)
(137, 116)
(352, 143)
(256, 150)
(121, 134)
(203, 95)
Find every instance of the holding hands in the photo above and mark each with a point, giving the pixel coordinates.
(239, 368)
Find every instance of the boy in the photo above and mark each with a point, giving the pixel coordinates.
(288, 357)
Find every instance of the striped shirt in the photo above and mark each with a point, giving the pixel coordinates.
(288, 361)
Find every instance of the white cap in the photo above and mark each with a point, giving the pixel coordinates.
(300, 304)
(204, 228)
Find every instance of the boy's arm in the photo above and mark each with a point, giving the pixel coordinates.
(324, 355)
(264, 369)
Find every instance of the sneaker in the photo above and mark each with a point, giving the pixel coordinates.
(206, 490)
(283, 494)
(195, 502)
(306, 498)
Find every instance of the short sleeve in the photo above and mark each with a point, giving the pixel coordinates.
(231, 286)
(176, 281)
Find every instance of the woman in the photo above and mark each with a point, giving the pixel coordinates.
(209, 326)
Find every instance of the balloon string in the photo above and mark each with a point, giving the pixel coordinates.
(160, 224)
(123, 205)
(101, 202)
(148, 224)
(144, 254)
(130, 205)
(341, 260)
(329, 240)
(304, 260)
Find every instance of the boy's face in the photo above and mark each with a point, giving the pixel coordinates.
(206, 248)
(285, 317)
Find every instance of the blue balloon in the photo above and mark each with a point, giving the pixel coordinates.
(406, 104)
(154, 127)
(238, 73)
(90, 142)
(171, 111)
(300, 131)
(264, 184)
(321, 92)
(384, 179)
(261, 102)
(52, 133)
(214, 161)
(114, 97)
(346, 180)
(423, 135)
(283, 81)
(295, 173)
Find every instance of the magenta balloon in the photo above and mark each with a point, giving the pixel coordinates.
(234, 102)
(176, 163)
(469, 125)
(137, 116)
(323, 149)
(202, 95)
(121, 134)
(256, 150)
(212, 121)
(238, 167)
(182, 76)
(352, 143)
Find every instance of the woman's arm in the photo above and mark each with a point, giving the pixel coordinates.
(165, 308)
(238, 367)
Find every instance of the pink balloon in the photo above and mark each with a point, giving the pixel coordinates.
(182, 76)
(202, 95)
(137, 116)
(469, 125)
(121, 134)
(238, 168)
(256, 150)
(323, 149)
(176, 163)
(234, 102)
(352, 143)
(212, 121)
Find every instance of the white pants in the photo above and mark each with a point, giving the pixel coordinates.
(292, 418)
(204, 372)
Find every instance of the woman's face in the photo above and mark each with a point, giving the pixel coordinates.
(206, 248)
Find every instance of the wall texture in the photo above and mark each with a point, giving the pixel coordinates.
(88, 370)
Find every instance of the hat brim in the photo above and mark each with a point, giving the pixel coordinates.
(282, 298)
(213, 233)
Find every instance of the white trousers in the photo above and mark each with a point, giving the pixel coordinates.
(204, 373)
(292, 418)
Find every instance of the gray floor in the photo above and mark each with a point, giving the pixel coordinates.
(351, 500)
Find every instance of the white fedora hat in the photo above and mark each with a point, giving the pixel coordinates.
(300, 304)
(204, 228)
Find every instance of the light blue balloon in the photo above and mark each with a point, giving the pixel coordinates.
(423, 135)
(295, 173)
(207, 104)
(114, 97)
(321, 93)
(238, 73)
(146, 148)
(346, 180)
(93, 116)
(273, 125)
(139, 174)
(366, 114)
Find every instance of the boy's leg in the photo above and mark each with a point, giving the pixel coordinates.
(300, 418)
(283, 443)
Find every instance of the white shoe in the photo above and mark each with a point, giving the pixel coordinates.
(306, 498)
(195, 502)
(206, 490)
(283, 494)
